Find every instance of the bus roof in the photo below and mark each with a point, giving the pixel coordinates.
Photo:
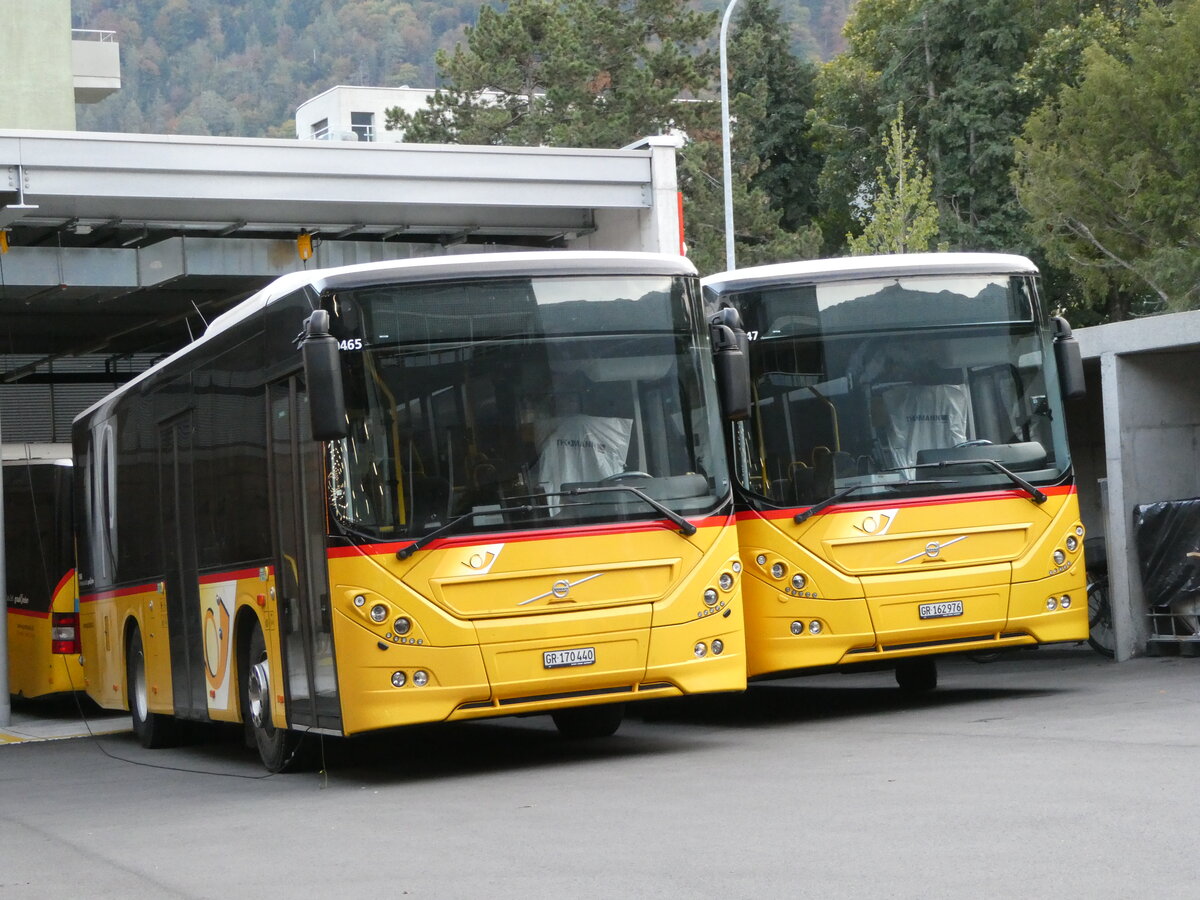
(432, 268)
(848, 268)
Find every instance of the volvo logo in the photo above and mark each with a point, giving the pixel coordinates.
(932, 550)
(560, 590)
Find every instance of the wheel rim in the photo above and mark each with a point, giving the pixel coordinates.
(140, 701)
(258, 692)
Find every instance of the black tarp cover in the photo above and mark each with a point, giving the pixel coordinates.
(1165, 533)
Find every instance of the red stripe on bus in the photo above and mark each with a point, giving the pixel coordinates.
(893, 503)
(511, 537)
(62, 583)
(118, 592)
(31, 613)
(235, 575)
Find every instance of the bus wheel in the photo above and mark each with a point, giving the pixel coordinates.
(589, 721)
(916, 676)
(152, 729)
(279, 748)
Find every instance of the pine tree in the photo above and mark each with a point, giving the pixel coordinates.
(902, 216)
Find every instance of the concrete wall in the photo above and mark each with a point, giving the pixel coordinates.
(35, 44)
(1136, 440)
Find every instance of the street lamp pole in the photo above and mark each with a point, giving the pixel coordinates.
(730, 262)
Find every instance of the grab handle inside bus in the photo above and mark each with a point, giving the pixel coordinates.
(1069, 360)
(323, 375)
(731, 363)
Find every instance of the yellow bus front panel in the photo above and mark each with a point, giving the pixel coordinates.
(535, 623)
(875, 582)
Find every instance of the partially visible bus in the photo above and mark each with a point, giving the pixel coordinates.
(904, 483)
(43, 606)
(419, 491)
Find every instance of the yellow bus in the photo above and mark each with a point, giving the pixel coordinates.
(429, 490)
(43, 607)
(904, 483)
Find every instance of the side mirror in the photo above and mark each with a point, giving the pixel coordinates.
(1069, 361)
(323, 374)
(731, 362)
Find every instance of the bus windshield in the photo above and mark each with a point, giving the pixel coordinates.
(503, 403)
(891, 385)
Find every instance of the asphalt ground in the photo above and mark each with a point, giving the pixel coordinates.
(1052, 773)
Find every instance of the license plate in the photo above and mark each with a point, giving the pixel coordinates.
(941, 610)
(561, 659)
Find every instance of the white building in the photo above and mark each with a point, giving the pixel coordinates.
(348, 113)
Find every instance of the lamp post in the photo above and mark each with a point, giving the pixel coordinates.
(730, 261)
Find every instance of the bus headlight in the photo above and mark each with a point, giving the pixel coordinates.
(379, 612)
(420, 678)
(799, 581)
(1059, 557)
(737, 567)
(797, 628)
(360, 600)
(725, 581)
(718, 646)
(1072, 542)
(814, 627)
(399, 679)
(1065, 602)
(1051, 604)
(402, 625)
(710, 597)
(761, 559)
(701, 650)
(778, 570)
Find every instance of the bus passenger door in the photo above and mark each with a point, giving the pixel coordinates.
(182, 591)
(301, 576)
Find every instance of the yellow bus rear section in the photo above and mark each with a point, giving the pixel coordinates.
(34, 670)
(883, 583)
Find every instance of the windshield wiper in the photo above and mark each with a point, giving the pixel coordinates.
(847, 491)
(685, 527)
(426, 539)
(1035, 495)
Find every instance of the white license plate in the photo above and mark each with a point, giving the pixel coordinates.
(561, 659)
(941, 610)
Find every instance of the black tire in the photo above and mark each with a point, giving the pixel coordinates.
(280, 749)
(153, 730)
(917, 676)
(1101, 636)
(586, 722)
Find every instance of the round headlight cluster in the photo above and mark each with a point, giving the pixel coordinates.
(402, 625)
(797, 627)
(711, 596)
(1051, 604)
(778, 570)
(813, 627)
(1072, 542)
(701, 650)
(799, 581)
(379, 612)
(1065, 601)
(1059, 557)
(420, 678)
(725, 581)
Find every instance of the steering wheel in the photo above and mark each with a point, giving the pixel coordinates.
(628, 473)
(979, 443)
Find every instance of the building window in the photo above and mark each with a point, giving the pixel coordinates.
(320, 130)
(363, 125)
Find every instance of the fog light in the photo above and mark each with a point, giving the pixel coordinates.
(1059, 557)
(718, 646)
(797, 628)
(1079, 530)
(814, 627)
(761, 559)
(701, 650)
(1051, 604)
(420, 678)
(359, 600)
(1065, 602)
(799, 581)
(725, 581)
(378, 612)
(1072, 543)
(710, 597)
(398, 679)
(778, 570)
(737, 567)
(402, 625)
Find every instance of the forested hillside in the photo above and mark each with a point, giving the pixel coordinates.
(241, 67)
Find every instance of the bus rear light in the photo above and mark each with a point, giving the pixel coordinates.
(64, 633)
